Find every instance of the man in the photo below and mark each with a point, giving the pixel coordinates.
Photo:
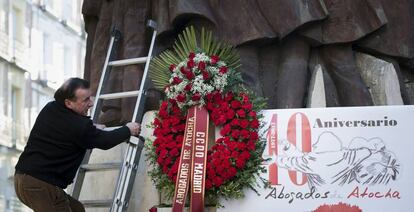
(56, 146)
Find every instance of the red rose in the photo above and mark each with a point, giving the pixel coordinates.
(209, 106)
(222, 119)
(190, 64)
(240, 163)
(235, 134)
(218, 181)
(226, 163)
(244, 123)
(172, 67)
(232, 145)
(177, 80)
(245, 97)
(241, 146)
(235, 104)
(172, 101)
(226, 129)
(163, 153)
(153, 209)
(181, 98)
(179, 138)
(245, 155)
(163, 114)
(252, 114)
(157, 122)
(224, 106)
(160, 160)
(174, 167)
(219, 141)
(209, 96)
(191, 55)
(241, 113)
(254, 124)
(254, 136)
(189, 75)
(235, 123)
(229, 96)
(223, 69)
(201, 65)
(235, 154)
(174, 120)
(232, 172)
(214, 59)
(188, 87)
(247, 106)
(174, 152)
(219, 169)
(196, 97)
(251, 146)
(183, 70)
(217, 97)
(208, 185)
(226, 139)
(206, 75)
(164, 105)
(244, 133)
(216, 162)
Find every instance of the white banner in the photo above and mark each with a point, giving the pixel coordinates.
(336, 159)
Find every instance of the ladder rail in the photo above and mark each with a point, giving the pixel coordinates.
(129, 165)
(139, 107)
(80, 175)
(122, 194)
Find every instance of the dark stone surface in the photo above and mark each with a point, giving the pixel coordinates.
(396, 38)
(339, 61)
(347, 21)
(273, 37)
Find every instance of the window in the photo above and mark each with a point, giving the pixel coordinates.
(68, 62)
(15, 106)
(18, 24)
(3, 77)
(68, 11)
(57, 72)
(47, 56)
(4, 20)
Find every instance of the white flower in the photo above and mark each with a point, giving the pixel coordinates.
(217, 80)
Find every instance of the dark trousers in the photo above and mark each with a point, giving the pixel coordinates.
(44, 197)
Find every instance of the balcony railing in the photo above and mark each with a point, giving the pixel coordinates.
(21, 54)
(4, 44)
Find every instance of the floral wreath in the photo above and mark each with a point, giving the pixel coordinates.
(205, 74)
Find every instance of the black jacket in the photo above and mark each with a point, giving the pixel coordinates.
(58, 142)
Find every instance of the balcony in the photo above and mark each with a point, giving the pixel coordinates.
(12, 133)
(4, 45)
(20, 54)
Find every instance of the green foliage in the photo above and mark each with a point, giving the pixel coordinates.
(186, 43)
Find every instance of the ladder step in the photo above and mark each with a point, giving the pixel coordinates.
(119, 95)
(100, 166)
(138, 60)
(97, 203)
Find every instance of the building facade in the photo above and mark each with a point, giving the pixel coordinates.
(42, 43)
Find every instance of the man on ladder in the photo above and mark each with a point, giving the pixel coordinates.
(57, 144)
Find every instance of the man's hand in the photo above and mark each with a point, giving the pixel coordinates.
(134, 128)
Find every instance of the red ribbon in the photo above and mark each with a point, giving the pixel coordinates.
(193, 161)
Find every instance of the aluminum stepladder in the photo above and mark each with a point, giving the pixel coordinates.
(129, 165)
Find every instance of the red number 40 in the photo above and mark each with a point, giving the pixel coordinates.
(298, 131)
